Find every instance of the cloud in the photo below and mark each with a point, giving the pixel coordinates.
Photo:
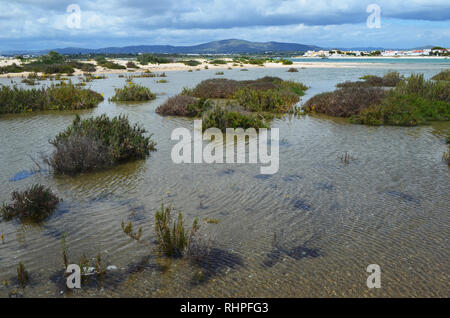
(43, 24)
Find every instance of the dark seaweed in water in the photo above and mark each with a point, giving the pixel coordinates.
(325, 186)
(302, 205)
(403, 196)
(263, 176)
(291, 178)
(226, 172)
(213, 263)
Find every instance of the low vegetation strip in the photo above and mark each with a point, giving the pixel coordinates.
(63, 97)
(411, 102)
(96, 143)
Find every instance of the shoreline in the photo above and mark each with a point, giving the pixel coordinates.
(182, 67)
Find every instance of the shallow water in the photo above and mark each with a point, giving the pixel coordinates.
(389, 206)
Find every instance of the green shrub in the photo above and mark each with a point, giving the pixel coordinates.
(279, 101)
(183, 105)
(292, 70)
(442, 76)
(344, 102)
(147, 58)
(286, 62)
(34, 204)
(414, 101)
(223, 119)
(191, 63)
(96, 143)
(102, 61)
(63, 97)
(132, 92)
(12, 68)
(218, 61)
(173, 239)
(219, 73)
(131, 64)
(390, 79)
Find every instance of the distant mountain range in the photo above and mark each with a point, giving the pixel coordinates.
(216, 47)
(231, 46)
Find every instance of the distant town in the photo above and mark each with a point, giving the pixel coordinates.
(435, 51)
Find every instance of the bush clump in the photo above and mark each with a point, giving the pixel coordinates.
(147, 58)
(344, 102)
(132, 92)
(221, 118)
(292, 70)
(102, 61)
(191, 63)
(442, 76)
(34, 204)
(63, 97)
(413, 102)
(270, 100)
(183, 105)
(390, 79)
(95, 143)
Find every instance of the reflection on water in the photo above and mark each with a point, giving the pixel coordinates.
(309, 230)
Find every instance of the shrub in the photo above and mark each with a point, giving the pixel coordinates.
(147, 58)
(183, 105)
(225, 88)
(286, 62)
(191, 63)
(390, 79)
(63, 97)
(413, 102)
(344, 102)
(95, 143)
(442, 76)
(218, 61)
(12, 68)
(34, 204)
(88, 67)
(131, 64)
(173, 239)
(219, 73)
(404, 110)
(102, 61)
(222, 119)
(132, 92)
(270, 100)
(292, 70)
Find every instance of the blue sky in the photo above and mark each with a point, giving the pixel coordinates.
(43, 24)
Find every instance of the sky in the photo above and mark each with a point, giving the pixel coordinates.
(46, 24)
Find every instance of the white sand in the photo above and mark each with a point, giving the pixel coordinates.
(183, 67)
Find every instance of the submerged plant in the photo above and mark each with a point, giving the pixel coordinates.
(22, 275)
(128, 230)
(173, 239)
(34, 204)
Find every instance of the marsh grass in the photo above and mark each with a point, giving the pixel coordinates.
(64, 97)
(412, 102)
(173, 239)
(32, 205)
(128, 230)
(98, 142)
(22, 275)
(221, 118)
(132, 92)
(442, 76)
(184, 105)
